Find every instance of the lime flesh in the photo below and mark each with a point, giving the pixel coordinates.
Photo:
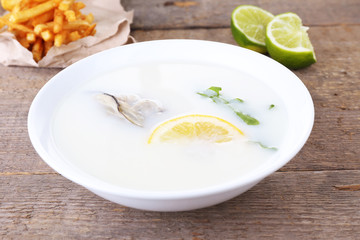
(287, 41)
(248, 26)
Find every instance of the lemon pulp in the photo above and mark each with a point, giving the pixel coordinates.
(195, 127)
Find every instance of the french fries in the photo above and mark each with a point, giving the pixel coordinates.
(37, 49)
(9, 4)
(26, 14)
(58, 21)
(39, 25)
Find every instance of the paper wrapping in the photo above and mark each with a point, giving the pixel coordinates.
(112, 30)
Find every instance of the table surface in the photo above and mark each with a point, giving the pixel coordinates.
(315, 196)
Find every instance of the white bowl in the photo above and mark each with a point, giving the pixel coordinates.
(292, 91)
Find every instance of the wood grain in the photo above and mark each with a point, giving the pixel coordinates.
(315, 196)
(162, 14)
(18, 87)
(283, 206)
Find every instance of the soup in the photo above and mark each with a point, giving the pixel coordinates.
(122, 152)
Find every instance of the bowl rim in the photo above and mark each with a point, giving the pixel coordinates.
(100, 186)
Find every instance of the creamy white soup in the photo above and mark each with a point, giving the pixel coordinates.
(117, 151)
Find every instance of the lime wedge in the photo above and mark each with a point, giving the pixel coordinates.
(248, 26)
(287, 41)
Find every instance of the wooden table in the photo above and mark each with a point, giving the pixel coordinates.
(315, 196)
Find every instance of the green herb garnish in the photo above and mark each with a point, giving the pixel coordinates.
(271, 106)
(264, 146)
(216, 90)
(247, 118)
(214, 94)
(238, 100)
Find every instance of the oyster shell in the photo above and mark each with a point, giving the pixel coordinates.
(130, 107)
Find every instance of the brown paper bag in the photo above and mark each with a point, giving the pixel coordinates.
(112, 30)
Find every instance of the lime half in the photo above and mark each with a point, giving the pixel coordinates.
(287, 41)
(248, 26)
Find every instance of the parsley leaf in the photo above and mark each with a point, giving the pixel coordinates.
(247, 118)
(238, 100)
(216, 89)
(264, 146)
(214, 94)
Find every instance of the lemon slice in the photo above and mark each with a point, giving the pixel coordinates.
(287, 41)
(248, 25)
(195, 128)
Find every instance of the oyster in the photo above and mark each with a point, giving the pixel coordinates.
(130, 107)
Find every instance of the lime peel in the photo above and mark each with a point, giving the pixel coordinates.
(248, 26)
(283, 36)
(287, 41)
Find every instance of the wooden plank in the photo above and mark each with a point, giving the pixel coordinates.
(297, 202)
(296, 205)
(334, 83)
(170, 14)
(18, 87)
